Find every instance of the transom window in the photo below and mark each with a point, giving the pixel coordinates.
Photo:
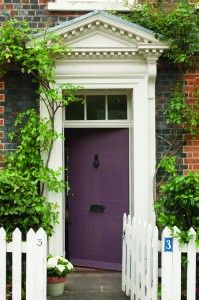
(98, 107)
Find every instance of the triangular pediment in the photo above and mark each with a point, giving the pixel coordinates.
(101, 40)
(99, 31)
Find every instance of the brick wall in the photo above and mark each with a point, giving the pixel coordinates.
(17, 92)
(191, 149)
(34, 11)
(167, 76)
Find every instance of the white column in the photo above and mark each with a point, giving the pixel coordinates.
(56, 242)
(140, 150)
(152, 70)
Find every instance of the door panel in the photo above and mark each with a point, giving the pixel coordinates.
(95, 237)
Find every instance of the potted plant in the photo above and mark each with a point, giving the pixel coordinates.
(57, 269)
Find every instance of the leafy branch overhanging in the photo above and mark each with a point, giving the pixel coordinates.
(26, 175)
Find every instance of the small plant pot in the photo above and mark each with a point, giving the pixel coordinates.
(55, 286)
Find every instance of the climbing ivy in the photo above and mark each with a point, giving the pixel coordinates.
(176, 23)
(26, 174)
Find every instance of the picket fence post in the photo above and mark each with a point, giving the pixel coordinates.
(35, 248)
(124, 253)
(16, 264)
(140, 262)
(2, 264)
(191, 267)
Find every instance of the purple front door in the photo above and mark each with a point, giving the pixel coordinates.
(99, 192)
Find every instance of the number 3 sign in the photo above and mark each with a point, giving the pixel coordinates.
(168, 244)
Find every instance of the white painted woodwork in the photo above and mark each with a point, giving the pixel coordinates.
(124, 253)
(35, 248)
(2, 264)
(167, 276)
(191, 267)
(141, 244)
(30, 265)
(88, 5)
(16, 265)
(154, 258)
(176, 288)
(128, 256)
(108, 54)
(148, 269)
(41, 269)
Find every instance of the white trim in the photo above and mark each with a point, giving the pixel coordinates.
(135, 74)
(106, 123)
(80, 5)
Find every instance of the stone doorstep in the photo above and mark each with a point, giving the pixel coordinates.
(92, 286)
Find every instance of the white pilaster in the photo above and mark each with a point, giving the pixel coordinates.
(140, 150)
(152, 70)
(56, 242)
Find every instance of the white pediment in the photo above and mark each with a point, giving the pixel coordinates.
(103, 33)
(101, 40)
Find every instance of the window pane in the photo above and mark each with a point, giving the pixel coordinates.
(117, 107)
(95, 107)
(75, 110)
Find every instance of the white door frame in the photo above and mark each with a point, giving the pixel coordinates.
(110, 53)
(142, 129)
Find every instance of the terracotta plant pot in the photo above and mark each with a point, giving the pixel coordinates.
(55, 286)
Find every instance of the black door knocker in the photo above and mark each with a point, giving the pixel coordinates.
(96, 161)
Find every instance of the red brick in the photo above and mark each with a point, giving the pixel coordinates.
(1, 122)
(9, 6)
(2, 97)
(191, 149)
(1, 134)
(2, 85)
(195, 143)
(195, 154)
(196, 167)
(1, 110)
(189, 161)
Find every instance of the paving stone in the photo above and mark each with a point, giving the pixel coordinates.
(92, 286)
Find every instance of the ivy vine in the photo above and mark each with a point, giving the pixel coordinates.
(177, 24)
(26, 175)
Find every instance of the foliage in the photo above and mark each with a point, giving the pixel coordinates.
(26, 174)
(20, 196)
(176, 23)
(178, 204)
(182, 113)
(168, 163)
(58, 266)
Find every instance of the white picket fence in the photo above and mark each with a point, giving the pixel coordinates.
(35, 248)
(141, 261)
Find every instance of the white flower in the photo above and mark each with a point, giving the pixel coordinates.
(61, 268)
(69, 266)
(52, 262)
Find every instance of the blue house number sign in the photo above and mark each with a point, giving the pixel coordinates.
(168, 244)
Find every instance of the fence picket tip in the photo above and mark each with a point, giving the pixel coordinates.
(30, 232)
(192, 232)
(2, 231)
(16, 232)
(41, 231)
(141, 261)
